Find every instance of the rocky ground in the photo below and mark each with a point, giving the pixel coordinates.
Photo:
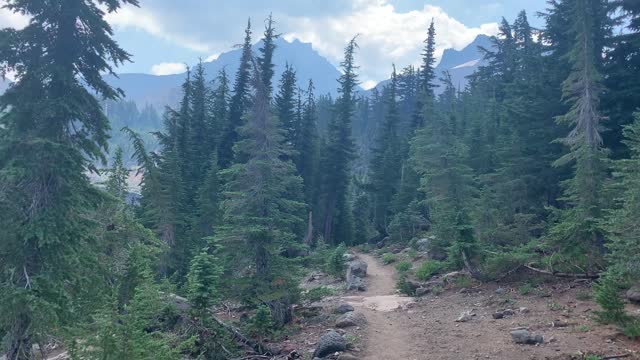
(552, 320)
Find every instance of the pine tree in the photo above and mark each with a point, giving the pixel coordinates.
(116, 183)
(577, 232)
(265, 60)
(204, 278)
(427, 77)
(309, 148)
(52, 131)
(262, 208)
(201, 144)
(285, 104)
(240, 101)
(220, 107)
(440, 158)
(387, 161)
(339, 153)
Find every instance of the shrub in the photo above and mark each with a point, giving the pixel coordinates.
(336, 264)
(525, 289)
(403, 285)
(403, 267)
(428, 269)
(318, 293)
(261, 324)
(388, 258)
(463, 282)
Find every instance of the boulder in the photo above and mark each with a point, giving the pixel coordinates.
(356, 283)
(343, 309)
(522, 336)
(452, 276)
(500, 314)
(633, 294)
(357, 268)
(329, 343)
(351, 319)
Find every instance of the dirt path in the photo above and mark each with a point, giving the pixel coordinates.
(389, 334)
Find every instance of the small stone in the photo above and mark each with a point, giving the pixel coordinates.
(466, 316)
(345, 356)
(351, 319)
(524, 310)
(343, 309)
(525, 337)
(500, 291)
(422, 291)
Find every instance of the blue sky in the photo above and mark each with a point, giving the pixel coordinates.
(162, 35)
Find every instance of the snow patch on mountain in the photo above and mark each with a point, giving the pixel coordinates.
(471, 63)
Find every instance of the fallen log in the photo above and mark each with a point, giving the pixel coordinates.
(256, 346)
(562, 274)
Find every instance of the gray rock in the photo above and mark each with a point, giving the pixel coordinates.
(503, 313)
(466, 316)
(358, 268)
(525, 337)
(437, 254)
(343, 309)
(356, 283)
(348, 257)
(351, 319)
(329, 343)
(633, 294)
(423, 244)
(422, 291)
(345, 356)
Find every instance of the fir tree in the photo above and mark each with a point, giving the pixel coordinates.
(265, 60)
(308, 148)
(52, 130)
(116, 183)
(577, 232)
(427, 77)
(262, 207)
(387, 161)
(285, 104)
(339, 153)
(239, 103)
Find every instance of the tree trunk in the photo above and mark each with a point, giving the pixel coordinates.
(328, 221)
(308, 238)
(19, 340)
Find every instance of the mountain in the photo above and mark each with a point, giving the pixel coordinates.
(164, 90)
(459, 63)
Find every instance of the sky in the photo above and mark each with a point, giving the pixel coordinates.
(164, 35)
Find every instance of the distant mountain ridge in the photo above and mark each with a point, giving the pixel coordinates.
(459, 63)
(164, 90)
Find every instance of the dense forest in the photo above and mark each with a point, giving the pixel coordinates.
(252, 180)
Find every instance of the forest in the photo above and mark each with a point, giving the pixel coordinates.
(252, 182)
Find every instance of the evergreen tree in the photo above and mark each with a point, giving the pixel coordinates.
(204, 279)
(339, 153)
(116, 183)
(52, 130)
(265, 60)
(427, 77)
(262, 208)
(387, 161)
(309, 148)
(285, 104)
(577, 232)
(240, 101)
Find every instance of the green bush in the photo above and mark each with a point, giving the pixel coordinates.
(403, 285)
(388, 258)
(403, 266)
(318, 293)
(261, 324)
(428, 269)
(336, 265)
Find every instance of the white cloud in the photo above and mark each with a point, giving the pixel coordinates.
(386, 36)
(168, 68)
(11, 19)
(133, 17)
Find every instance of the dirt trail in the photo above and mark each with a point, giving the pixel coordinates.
(388, 331)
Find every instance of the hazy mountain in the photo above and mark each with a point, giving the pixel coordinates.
(459, 63)
(165, 90)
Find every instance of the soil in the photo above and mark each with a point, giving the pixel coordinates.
(425, 328)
